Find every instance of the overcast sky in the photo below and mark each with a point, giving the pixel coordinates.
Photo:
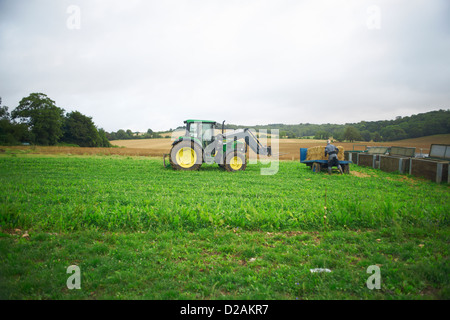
(133, 64)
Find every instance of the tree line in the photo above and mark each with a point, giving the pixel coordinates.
(415, 126)
(128, 135)
(38, 121)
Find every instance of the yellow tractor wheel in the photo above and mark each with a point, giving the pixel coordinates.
(235, 161)
(186, 155)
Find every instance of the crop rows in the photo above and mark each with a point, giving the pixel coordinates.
(130, 194)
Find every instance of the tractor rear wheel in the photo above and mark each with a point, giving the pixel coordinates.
(235, 161)
(186, 155)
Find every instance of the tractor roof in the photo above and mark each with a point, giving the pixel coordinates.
(205, 121)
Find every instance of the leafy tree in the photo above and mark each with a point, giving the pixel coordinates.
(291, 135)
(4, 114)
(376, 137)
(104, 142)
(80, 129)
(121, 135)
(322, 135)
(393, 132)
(6, 136)
(129, 134)
(42, 116)
(351, 134)
(11, 133)
(415, 131)
(366, 136)
(339, 135)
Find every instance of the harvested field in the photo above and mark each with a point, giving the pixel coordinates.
(289, 148)
(292, 146)
(82, 151)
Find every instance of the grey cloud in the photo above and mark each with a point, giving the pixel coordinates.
(151, 64)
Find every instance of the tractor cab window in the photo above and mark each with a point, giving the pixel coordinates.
(207, 131)
(194, 129)
(202, 131)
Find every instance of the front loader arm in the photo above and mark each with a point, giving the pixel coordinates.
(251, 140)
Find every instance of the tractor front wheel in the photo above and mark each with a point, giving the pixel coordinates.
(235, 161)
(186, 155)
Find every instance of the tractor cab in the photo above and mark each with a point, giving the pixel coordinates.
(203, 130)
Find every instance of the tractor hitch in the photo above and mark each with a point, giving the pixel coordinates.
(166, 165)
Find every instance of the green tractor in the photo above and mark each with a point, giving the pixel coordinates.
(201, 145)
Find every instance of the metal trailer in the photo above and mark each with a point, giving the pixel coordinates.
(352, 155)
(398, 159)
(318, 165)
(436, 167)
(371, 158)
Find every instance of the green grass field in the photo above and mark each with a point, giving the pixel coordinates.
(140, 231)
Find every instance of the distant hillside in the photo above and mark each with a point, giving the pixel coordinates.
(419, 125)
(415, 126)
(426, 141)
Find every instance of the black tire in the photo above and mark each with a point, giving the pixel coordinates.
(231, 166)
(177, 164)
